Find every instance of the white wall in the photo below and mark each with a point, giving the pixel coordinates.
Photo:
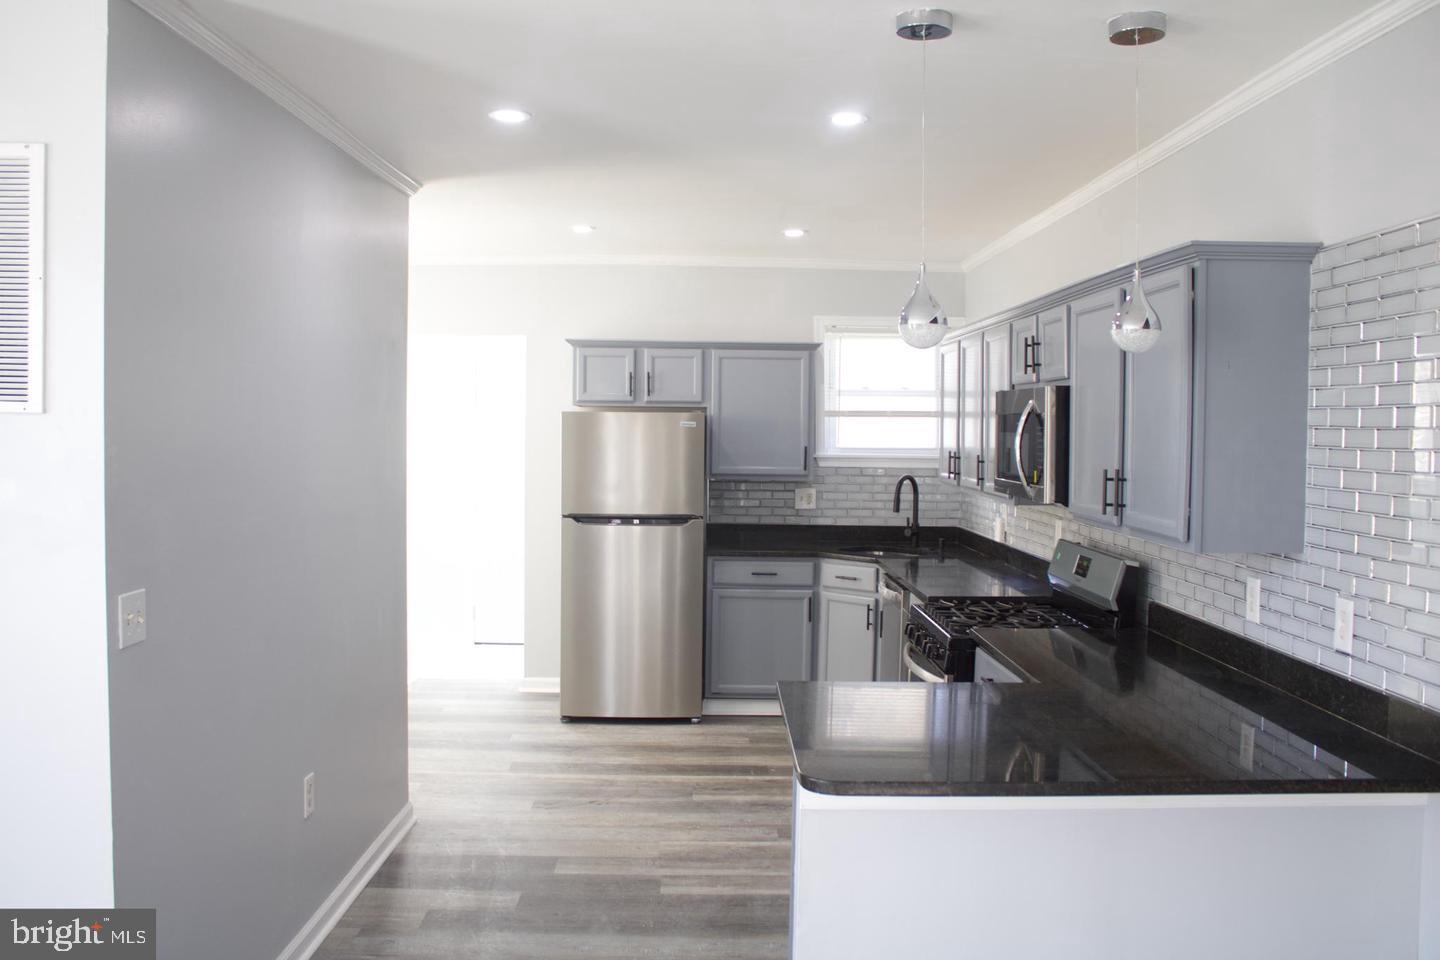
(1346, 151)
(54, 717)
(550, 303)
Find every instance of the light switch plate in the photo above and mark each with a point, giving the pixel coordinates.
(1059, 529)
(308, 786)
(1344, 624)
(132, 618)
(1252, 599)
(1000, 528)
(804, 498)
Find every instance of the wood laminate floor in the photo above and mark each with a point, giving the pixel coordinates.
(597, 840)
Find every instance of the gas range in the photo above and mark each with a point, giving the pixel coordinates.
(1093, 591)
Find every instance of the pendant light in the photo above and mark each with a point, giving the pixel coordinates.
(1136, 326)
(922, 321)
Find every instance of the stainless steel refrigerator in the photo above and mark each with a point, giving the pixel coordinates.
(632, 563)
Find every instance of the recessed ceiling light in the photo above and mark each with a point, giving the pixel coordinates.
(794, 233)
(509, 115)
(848, 118)
(582, 228)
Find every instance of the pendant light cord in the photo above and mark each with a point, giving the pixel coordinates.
(1137, 148)
(923, 41)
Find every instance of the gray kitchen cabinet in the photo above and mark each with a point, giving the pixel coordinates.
(996, 377)
(1097, 391)
(1022, 345)
(845, 649)
(970, 442)
(947, 355)
(674, 375)
(1155, 487)
(1052, 345)
(761, 413)
(604, 375)
(757, 637)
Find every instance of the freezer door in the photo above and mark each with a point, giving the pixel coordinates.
(633, 463)
(631, 619)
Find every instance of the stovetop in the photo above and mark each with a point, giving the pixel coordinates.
(942, 630)
(955, 616)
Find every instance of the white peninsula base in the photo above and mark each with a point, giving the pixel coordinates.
(1264, 876)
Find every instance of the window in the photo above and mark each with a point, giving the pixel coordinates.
(880, 397)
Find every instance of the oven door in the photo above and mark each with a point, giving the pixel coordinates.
(1032, 448)
(919, 668)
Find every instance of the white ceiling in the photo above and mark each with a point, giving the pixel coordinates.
(691, 129)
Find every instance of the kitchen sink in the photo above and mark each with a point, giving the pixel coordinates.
(902, 553)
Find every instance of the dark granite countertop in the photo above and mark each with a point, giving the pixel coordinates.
(951, 561)
(1137, 714)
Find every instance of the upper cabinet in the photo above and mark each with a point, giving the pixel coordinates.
(995, 363)
(604, 375)
(947, 355)
(972, 369)
(1196, 442)
(761, 412)
(1040, 347)
(674, 374)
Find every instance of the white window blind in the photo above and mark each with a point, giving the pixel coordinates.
(22, 248)
(880, 395)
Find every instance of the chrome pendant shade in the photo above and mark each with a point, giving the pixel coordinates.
(1136, 326)
(923, 322)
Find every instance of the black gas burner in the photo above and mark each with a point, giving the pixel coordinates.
(958, 616)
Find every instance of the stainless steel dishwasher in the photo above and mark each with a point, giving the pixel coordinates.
(894, 602)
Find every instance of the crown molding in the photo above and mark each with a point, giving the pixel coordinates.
(665, 260)
(1309, 59)
(181, 18)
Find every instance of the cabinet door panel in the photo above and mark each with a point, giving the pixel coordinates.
(1097, 391)
(756, 638)
(674, 375)
(996, 378)
(1053, 351)
(1156, 493)
(846, 648)
(760, 413)
(604, 375)
(1022, 333)
(970, 454)
(948, 356)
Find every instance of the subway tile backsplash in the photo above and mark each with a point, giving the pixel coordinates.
(1372, 520)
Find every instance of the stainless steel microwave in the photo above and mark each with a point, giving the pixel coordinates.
(1032, 444)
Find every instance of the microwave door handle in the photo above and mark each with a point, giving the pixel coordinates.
(1030, 410)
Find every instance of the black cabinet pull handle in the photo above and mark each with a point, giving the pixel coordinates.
(1028, 345)
(869, 617)
(805, 458)
(980, 471)
(1035, 355)
(810, 609)
(649, 384)
(764, 573)
(842, 576)
(630, 384)
(1120, 481)
(1105, 503)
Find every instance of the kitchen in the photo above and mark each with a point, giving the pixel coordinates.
(816, 480)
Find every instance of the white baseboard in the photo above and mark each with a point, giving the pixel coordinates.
(741, 708)
(318, 927)
(540, 685)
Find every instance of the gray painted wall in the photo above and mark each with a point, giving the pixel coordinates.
(254, 428)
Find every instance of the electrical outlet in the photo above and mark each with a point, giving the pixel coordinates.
(1247, 746)
(1059, 529)
(132, 618)
(805, 498)
(1000, 528)
(309, 788)
(1344, 624)
(1252, 599)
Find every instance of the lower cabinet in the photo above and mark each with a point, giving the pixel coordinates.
(845, 649)
(757, 637)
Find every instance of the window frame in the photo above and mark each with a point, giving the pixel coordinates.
(827, 453)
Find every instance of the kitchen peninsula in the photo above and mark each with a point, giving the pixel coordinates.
(1088, 810)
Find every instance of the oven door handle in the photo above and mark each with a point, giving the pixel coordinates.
(918, 670)
(1029, 411)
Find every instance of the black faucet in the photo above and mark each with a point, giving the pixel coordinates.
(912, 528)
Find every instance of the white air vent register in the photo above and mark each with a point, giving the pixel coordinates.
(22, 288)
